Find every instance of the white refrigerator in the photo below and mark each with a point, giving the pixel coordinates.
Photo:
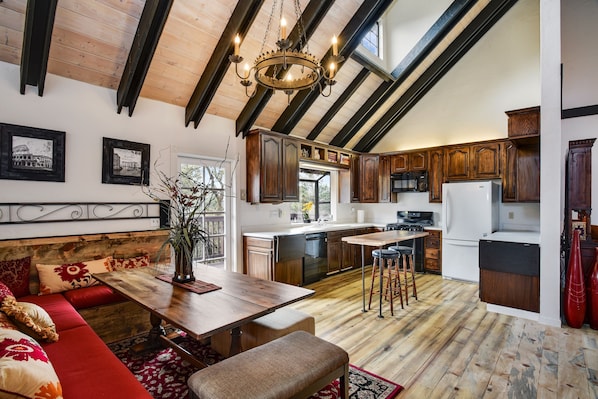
(469, 213)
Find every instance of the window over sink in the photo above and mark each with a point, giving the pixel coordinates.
(315, 199)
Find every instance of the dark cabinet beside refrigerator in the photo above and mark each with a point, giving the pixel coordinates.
(510, 274)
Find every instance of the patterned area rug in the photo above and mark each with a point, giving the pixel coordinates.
(164, 373)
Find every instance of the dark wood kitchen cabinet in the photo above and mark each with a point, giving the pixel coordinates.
(368, 178)
(355, 178)
(409, 161)
(486, 159)
(259, 261)
(384, 194)
(457, 163)
(521, 174)
(272, 168)
(335, 251)
(473, 161)
(433, 252)
(524, 122)
(436, 174)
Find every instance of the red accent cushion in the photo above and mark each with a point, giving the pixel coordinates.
(87, 368)
(4, 291)
(15, 274)
(63, 314)
(130, 263)
(92, 296)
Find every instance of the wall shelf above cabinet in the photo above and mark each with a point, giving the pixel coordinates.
(325, 155)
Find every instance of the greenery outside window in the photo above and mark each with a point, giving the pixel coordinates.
(314, 188)
(216, 211)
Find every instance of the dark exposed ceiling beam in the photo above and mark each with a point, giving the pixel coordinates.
(338, 104)
(151, 23)
(453, 53)
(239, 23)
(372, 66)
(311, 17)
(367, 14)
(412, 60)
(37, 35)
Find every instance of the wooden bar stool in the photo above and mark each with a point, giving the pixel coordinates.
(406, 266)
(390, 259)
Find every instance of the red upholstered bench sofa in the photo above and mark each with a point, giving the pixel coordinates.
(85, 367)
(83, 363)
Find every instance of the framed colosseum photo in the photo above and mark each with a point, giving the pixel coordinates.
(28, 153)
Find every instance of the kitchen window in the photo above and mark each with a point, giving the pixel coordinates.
(215, 216)
(314, 187)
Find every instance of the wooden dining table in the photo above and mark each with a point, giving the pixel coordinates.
(237, 300)
(380, 240)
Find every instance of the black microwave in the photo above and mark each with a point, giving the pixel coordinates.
(416, 181)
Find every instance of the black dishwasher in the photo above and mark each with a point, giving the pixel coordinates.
(315, 260)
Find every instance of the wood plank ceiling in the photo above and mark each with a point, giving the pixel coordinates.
(177, 52)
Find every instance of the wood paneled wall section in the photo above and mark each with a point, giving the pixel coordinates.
(70, 249)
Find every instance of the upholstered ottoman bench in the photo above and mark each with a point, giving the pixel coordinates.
(265, 329)
(294, 366)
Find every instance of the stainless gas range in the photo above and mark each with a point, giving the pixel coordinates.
(413, 221)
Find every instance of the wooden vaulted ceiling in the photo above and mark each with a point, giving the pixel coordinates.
(176, 51)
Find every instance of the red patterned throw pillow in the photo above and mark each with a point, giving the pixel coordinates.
(4, 291)
(59, 278)
(15, 274)
(130, 263)
(25, 370)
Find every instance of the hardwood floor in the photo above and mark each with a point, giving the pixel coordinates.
(445, 345)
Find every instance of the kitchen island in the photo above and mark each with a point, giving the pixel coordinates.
(380, 240)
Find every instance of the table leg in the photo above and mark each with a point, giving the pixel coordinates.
(381, 284)
(235, 341)
(153, 336)
(363, 279)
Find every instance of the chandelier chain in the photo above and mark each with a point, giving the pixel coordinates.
(302, 35)
(263, 49)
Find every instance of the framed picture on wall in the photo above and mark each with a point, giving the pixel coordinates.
(125, 162)
(28, 153)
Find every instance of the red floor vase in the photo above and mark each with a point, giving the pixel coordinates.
(574, 302)
(593, 295)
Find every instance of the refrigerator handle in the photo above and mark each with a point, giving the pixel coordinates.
(447, 210)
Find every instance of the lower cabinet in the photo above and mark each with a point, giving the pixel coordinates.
(510, 274)
(259, 262)
(341, 255)
(433, 252)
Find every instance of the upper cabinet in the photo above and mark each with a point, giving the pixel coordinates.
(436, 174)
(384, 194)
(409, 161)
(473, 161)
(272, 168)
(524, 122)
(368, 182)
(521, 159)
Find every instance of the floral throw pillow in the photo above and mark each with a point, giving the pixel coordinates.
(15, 274)
(31, 319)
(25, 370)
(59, 278)
(130, 263)
(6, 323)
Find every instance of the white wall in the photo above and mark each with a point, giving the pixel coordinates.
(500, 73)
(87, 113)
